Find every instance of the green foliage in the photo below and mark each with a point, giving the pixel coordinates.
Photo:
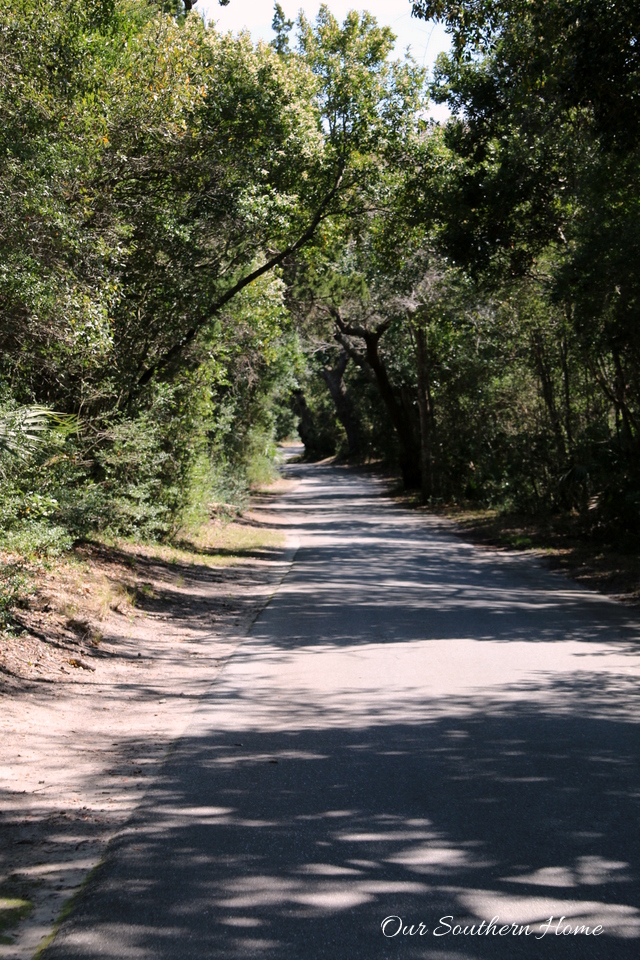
(21, 430)
(201, 235)
(282, 27)
(532, 187)
(146, 165)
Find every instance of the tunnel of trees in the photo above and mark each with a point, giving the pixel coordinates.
(209, 244)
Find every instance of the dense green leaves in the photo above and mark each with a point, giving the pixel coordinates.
(203, 240)
(535, 190)
(153, 175)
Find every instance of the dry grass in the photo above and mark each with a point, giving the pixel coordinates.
(216, 544)
(116, 596)
(64, 606)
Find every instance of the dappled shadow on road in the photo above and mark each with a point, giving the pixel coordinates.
(414, 730)
(373, 570)
(277, 842)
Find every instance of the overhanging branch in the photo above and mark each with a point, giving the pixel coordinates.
(274, 261)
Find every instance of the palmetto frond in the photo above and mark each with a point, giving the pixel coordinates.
(22, 429)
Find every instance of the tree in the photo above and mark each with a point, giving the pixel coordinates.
(538, 187)
(282, 27)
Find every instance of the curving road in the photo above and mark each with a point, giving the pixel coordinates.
(415, 729)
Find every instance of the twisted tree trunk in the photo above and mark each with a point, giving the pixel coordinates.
(409, 459)
(334, 379)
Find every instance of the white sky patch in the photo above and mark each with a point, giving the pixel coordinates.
(426, 39)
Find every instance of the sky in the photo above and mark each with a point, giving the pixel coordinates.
(426, 40)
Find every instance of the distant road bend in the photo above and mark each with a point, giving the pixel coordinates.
(416, 729)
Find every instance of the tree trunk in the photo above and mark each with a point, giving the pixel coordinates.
(344, 408)
(564, 354)
(425, 408)
(306, 427)
(409, 455)
(620, 391)
(615, 393)
(409, 460)
(548, 393)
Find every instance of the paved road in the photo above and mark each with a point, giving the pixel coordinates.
(415, 729)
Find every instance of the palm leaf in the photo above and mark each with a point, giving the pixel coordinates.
(22, 429)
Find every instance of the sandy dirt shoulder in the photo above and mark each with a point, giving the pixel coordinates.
(90, 705)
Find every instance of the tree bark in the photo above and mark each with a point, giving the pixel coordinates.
(306, 427)
(620, 389)
(564, 357)
(334, 379)
(425, 407)
(548, 393)
(409, 454)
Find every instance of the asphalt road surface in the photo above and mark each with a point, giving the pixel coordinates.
(416, 729)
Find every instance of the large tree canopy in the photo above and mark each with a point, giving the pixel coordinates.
(205, 241)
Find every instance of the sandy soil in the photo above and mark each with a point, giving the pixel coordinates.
(118, 652)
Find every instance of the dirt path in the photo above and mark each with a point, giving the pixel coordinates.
(81, 743)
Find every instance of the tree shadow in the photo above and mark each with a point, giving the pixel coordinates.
(287, 842)
(415, 729)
